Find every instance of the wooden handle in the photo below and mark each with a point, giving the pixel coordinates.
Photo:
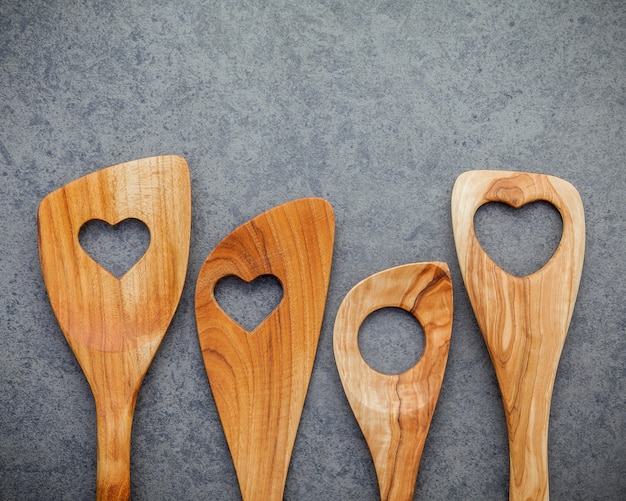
(395, 411)
(115, 326)
(524, 320)
(114, 424)
(259, 379)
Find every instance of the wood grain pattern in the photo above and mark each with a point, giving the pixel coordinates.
(395, 411)
(524, 320)
(114, 326)
(259, 379)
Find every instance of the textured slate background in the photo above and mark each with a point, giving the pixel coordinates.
(377, 106)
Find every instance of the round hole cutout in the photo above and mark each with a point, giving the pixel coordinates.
(391, 340)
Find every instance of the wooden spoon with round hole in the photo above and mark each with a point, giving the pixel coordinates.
(524, 320)
(259, 379)
(395, 411)
(114, 326)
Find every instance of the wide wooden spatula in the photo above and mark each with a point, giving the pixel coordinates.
(394, 411)
(259, 379)
(524, 320)
(114, 326)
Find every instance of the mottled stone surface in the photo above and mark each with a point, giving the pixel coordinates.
(377, 106)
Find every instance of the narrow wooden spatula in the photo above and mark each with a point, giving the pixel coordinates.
(524, 320)
(395, 411)
(114, 326)
(259, 379)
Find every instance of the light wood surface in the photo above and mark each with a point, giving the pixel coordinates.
(395, 411)
(524, 320)
(114, 326)
(259, 379)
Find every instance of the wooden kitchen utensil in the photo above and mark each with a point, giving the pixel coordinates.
(259, 379)
(524, 320)
(114, 326)
(395, 411)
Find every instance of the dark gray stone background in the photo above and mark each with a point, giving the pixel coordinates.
(377, 106)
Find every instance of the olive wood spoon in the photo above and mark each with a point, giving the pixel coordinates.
(524, 320)
(114, 326)
(395, 411)
(259, 379)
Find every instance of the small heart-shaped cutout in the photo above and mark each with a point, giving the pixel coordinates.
(520, 241)
(248, 303)
(115, 247)
(391, 340)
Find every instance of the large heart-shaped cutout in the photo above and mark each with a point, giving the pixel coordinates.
(391, 340)
(248, 303)
(520, 241)
(116, 248)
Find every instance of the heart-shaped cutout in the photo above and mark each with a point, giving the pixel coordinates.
(248, 303)
(391, 340)
(520, 241)
(115, 247)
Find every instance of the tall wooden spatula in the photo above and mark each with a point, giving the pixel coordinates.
(524, 320)
(259, 379)
(114, 326)
(395, 411)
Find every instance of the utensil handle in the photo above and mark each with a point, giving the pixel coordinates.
(528, 451)
(114, 423)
